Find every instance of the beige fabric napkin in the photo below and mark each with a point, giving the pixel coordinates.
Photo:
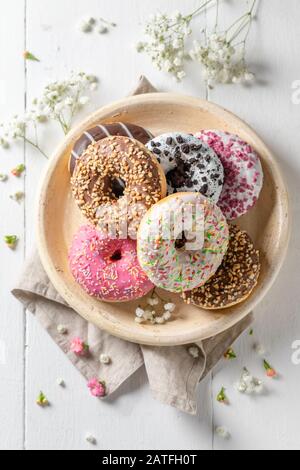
(172, 372)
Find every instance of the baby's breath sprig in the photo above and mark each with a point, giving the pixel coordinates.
(222, 54)
(60, 102)
(157, 311)
(165, 41)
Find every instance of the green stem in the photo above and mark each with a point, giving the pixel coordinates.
(247, 19)
(217, 14)
(36, 146)
(198, 10)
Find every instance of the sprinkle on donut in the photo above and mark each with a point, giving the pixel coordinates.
(115, 182)
(105, 268)
(234, 280)
(182, 241)
(243, 172)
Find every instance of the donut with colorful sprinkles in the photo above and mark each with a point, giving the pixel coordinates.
(189, 165)
(182, 241)
(234, 280)
(107, 268)
(243, 172)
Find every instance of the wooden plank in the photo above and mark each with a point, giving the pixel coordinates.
(11, 222)
(269, 421)
(53, 37)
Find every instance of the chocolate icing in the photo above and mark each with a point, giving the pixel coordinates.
(101, 131)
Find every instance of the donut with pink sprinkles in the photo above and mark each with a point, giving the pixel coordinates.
(107, 268)
(243, 172)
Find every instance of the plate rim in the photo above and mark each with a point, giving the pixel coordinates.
(102, 113)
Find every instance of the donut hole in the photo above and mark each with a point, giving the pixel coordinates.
(118, 187)
(116, 256)
(180, 242)
(183, 239)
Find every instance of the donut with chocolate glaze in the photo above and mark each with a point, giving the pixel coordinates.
(101, 131)
(234, 280)
(115, 182)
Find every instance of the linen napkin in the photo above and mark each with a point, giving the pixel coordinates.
(173, 372)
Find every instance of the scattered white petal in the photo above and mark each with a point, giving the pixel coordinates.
(170, 307)
(149, 314)
(259, 349)
(62, 330)
(83, 100)
(93, 86)
(167, 315)
(153, 301)
(60, 382)
(223, 432)
(249, 384)
(102, 29)
(140, 312)
(3, 178)
(90, 439)
(139, 320)
(194, 351)
(18, 196)
(104, 359)
(85, 26)
(159, 320)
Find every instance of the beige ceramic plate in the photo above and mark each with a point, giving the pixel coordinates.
(58, 218)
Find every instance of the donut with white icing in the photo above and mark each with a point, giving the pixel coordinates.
(101, 131)
(189, 165)
(182, 241)
(243, 172)
(105, 268)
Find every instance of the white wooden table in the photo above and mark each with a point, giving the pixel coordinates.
(29, 360)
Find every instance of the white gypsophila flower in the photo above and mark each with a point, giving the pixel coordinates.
(222, 432)
(159, 320)
(153, 301)
(17, 196)
(102, 29)
(69, 101)
(104, 359)
(248, 384)
(60, 382)
(91, 439)
(193, 351)
(165, 42)
(59, 101)
(93, 86)
(170, 307)
(3, 178)
(249, 76)
(4, 143)
(61, 329)
(139, 312)
(167, 315)
(259, 349)
(139, 320)
(84, 100)
(149, 315)
(221, 62)
(85, 26)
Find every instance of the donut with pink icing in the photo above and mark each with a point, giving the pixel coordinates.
(107, 268)
(243, 172)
